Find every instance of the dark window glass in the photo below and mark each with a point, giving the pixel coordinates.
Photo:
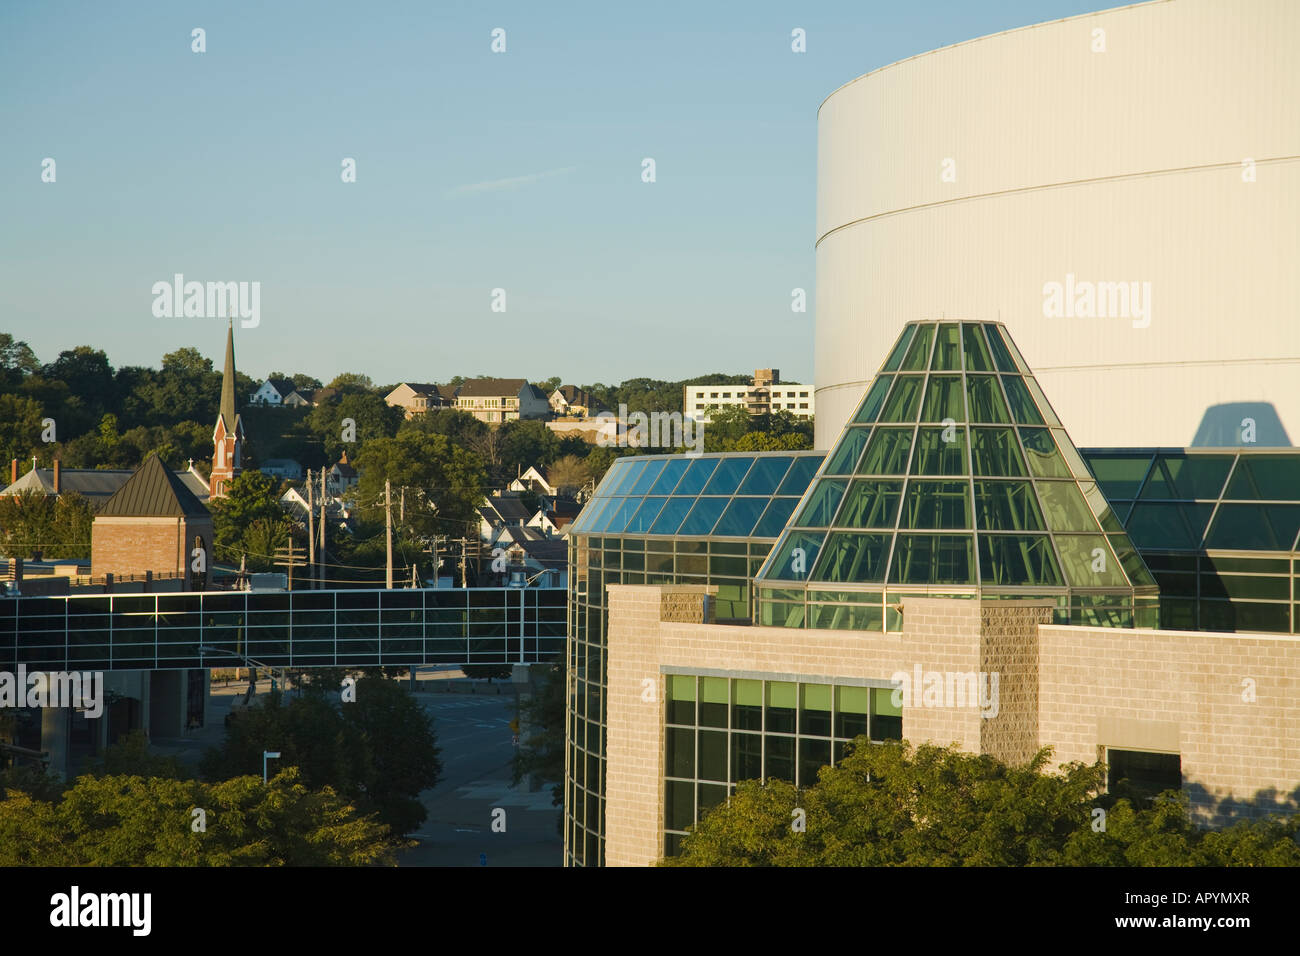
(670, 518)
(813, 755)
(765, 476)
(713, 702)
(1119, 477)
(940, 451)
(747, 708)
(801, 474)
(782, 701)
(1131, 561)
(1266, 478)
(681, 699)
(875, 397)
(870, 504)
(1001, 357)
(647, 478)
(679, 752)
(710, 796)
(944, 399)
(713, 755)
(671, 474)
(1188, 476)
(851, 707)
(821, 504)
(904, 400)
(746, 757)
(847, 451)
(986, 402)
(1045, 460)
(703, 516)
(887, 453)
(918, 356)
(679, 805)
(936, 505)
(774, 518)
(645, 516)
(726, 479)
(1168, 525)
(815, 709)
(995, 452)
(739, 518)
(886, 717)
(1139, 776)
(1023, 409)
(1064, 506)
(790, 566)
(853, 558)
(977, 353)
(932, 559)
(1254, 527)
(1017, 560)
(780, 758)
(697, 476)
(900, 349)
(947, 348)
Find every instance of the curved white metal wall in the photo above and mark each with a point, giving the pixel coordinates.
(1117, 166)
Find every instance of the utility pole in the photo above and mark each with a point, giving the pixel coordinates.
(322, 525)
(311, 532)
(401, 514)
(388, 531)
(290, 558)
(464, 544)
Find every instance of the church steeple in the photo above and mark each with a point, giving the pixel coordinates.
(228, 436)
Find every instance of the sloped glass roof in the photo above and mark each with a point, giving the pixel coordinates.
(954, 473)
(730, 495)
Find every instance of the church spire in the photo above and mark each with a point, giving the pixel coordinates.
(228, 379)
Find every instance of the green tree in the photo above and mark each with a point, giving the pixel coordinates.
(20, 427)
(354, 380)
(17, 361)
(248, 520)
(444, 483)
(371, 416)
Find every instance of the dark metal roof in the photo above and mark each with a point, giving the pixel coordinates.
(154, 492)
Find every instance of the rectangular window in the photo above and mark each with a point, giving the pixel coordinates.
(1140, 775)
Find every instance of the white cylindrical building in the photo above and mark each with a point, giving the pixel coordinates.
(1122, 189)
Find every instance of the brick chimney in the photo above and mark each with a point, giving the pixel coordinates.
(57, 477)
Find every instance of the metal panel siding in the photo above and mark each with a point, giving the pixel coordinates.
(1116, 166)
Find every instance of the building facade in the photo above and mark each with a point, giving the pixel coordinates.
(765, 396)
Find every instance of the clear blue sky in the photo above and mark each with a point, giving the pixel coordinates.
(475, 170)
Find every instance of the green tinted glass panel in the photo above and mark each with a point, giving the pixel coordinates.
(986, 402)
(944, 399)
(847, 451)
(900, 349)
(789, 565)
(904, 400)
(1064, 507)
(940, 451)
(697, 476)
(1254, 527)
(669, 477)
(947, 348)
(749, 693)
(1044, 459)
(937, 505)
(1101, 508)
(887, 452)
(1073, 460)
(1188, 476)
(821, 504)
(870, 504)
(1089, 562)
(800, 474)
(977, 352)
(740, 517)
(996, 453)
(703, 516)
(1006, 506)
(681, 687)
(640, 522)
(870, 406)
(932, 559)
(774, 518)
(1119, 476)
(1169, 526)
(851, 700)
(1266, 478)
(765, 476)
(679, 752)
(882, 703)
(1017, 560)
(671, 517)
(853, 557)
(1021, 365)
(1001, 357)
(647, 477)
(1234, 565)
(1044, 406)
(1023, 409)
(918, 356)
(726, 479)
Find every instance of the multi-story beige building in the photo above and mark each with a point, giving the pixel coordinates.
(767, 394)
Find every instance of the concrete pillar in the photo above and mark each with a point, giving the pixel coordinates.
(55, 728)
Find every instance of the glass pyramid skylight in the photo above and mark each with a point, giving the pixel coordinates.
(953, 477)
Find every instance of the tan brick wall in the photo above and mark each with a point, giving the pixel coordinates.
(1146, 689)
(121, 545)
